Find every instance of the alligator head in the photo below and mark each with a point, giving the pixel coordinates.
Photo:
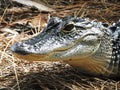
(73, 40)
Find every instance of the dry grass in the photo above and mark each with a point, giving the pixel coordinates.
(16, 74)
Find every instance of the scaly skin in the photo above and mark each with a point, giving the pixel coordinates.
(90, 45)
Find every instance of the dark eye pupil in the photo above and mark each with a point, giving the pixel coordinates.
(69, 27)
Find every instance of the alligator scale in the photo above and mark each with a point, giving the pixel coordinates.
(92, 46)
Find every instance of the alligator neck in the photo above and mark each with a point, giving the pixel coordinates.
(115, 58)
(109, 50)
(114, 64)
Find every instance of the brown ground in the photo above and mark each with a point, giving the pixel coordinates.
(22, 22)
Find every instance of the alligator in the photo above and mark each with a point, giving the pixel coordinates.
(90, 45)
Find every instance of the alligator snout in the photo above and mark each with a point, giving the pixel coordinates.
(18, 48)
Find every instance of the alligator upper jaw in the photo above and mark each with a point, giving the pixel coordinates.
(20, 50)
(78, 49)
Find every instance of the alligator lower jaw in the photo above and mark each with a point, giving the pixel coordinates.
(90, 66)
(86, 64)
(34, 57)
(31, 57)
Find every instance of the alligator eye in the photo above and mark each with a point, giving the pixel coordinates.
(68, 28)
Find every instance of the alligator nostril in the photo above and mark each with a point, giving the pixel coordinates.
(13, 47)
(16, 48)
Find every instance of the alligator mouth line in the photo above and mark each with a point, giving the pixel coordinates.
(39, 57)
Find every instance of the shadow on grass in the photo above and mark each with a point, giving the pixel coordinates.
(65, 80)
